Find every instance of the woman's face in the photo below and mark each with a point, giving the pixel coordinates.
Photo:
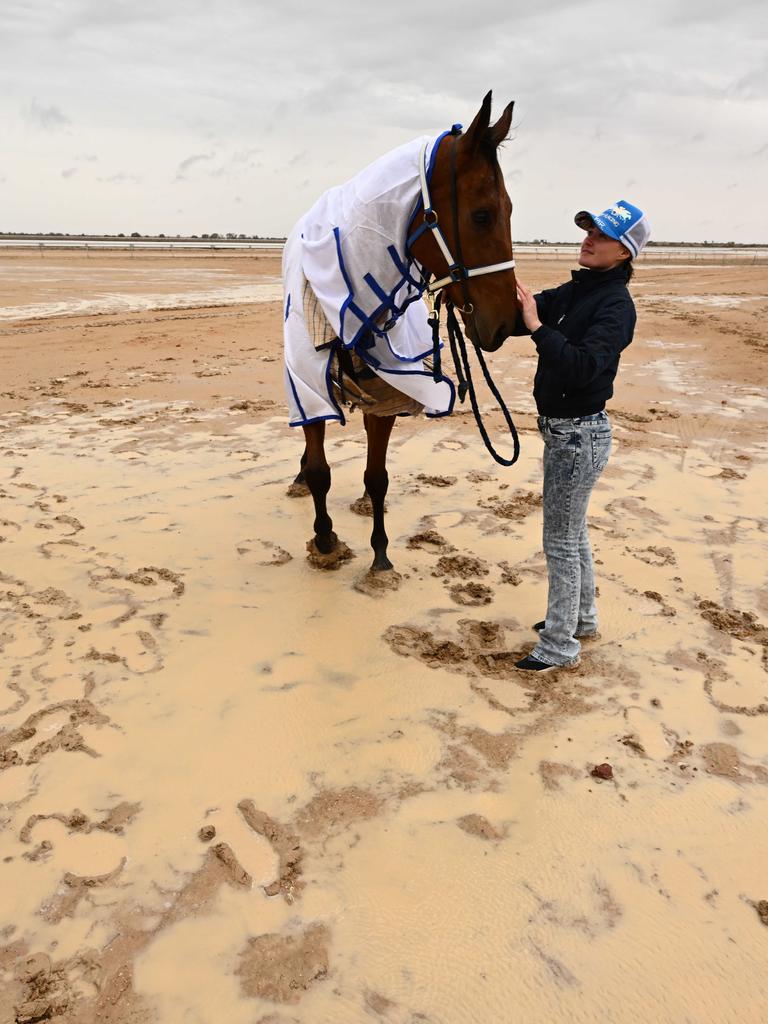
(599, 252)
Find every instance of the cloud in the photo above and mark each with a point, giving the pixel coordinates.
(121, 179)
(188, 162)
(69, 172)
(292, 98)
(49, 119)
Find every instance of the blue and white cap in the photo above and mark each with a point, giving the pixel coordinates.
(622, 221)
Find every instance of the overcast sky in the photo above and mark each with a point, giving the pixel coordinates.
(230, 115)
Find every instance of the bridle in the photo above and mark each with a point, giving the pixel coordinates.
(458, 273)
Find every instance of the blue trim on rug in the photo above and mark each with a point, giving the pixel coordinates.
(295, 393)
(315, 419)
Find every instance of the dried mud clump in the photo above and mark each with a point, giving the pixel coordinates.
(282, 968)
(275, 555)
(510, 575)
(666, 609)
(333, 810)
(471, 594)
(463, 566)
(724, 760)
(552, 772)
(46, 990)
(516, 508)
(286, 845)
(477, 825)
(656, 556)
(408, 641)
(298, 490)
(363, 506)
(377, 583)
(429, 540)
(602, 771)
(146, 577)
(462, 767)
(333, 560)
(115, 821)
(378, 1003)
(738, 624)
(75, 888)
(436, 481)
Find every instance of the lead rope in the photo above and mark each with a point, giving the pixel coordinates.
(464, 376)
(457, 341)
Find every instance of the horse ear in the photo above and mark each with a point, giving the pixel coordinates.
(476, 131)
(500, 130)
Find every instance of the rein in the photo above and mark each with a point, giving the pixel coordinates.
(458, 273)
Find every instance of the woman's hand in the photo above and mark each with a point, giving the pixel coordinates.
(528, 307)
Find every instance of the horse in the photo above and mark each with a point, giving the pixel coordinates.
(448, 215)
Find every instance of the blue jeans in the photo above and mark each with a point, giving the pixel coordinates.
(575, 454)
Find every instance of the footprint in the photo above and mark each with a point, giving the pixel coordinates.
(471, 594)
(275, 554)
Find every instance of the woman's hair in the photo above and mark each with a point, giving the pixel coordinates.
(629, 269)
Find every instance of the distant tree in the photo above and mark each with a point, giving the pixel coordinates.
(161, 235)
(215, 234)
(205, 236)
(231, 234)
(121, 235)
(241, 236)
(135, 234)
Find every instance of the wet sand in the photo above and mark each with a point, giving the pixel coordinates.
(235, 787)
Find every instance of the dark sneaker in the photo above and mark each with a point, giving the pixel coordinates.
(538, 626)
(533, 664)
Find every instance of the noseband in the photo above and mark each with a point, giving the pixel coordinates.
(456, 269)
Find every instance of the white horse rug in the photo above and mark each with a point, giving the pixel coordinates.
(348, 255)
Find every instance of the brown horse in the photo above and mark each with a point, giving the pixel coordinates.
(471, 204)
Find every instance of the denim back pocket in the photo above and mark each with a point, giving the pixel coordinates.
(601, 449)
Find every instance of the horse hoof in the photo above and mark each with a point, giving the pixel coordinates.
(298, 489)
(376, 583)
(381, 564)
(332, 559)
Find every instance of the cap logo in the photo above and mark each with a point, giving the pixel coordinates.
(621, 212)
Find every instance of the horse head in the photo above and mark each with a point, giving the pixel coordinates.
(474, 213)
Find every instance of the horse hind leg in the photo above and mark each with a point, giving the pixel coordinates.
(317, 476)
(378, 429)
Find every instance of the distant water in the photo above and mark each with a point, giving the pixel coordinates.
(696, 253)
(233, 295)
(136, 243)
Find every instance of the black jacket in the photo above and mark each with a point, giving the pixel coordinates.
(586, 324)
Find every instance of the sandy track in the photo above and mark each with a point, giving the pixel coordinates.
(235, 787)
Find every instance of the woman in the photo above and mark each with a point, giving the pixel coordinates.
(580, 330)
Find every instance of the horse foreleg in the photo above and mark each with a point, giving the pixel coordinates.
(317, 474)
(378, 429)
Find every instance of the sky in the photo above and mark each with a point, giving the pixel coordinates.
(191, 117)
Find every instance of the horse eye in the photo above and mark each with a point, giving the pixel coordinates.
(481, 217)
